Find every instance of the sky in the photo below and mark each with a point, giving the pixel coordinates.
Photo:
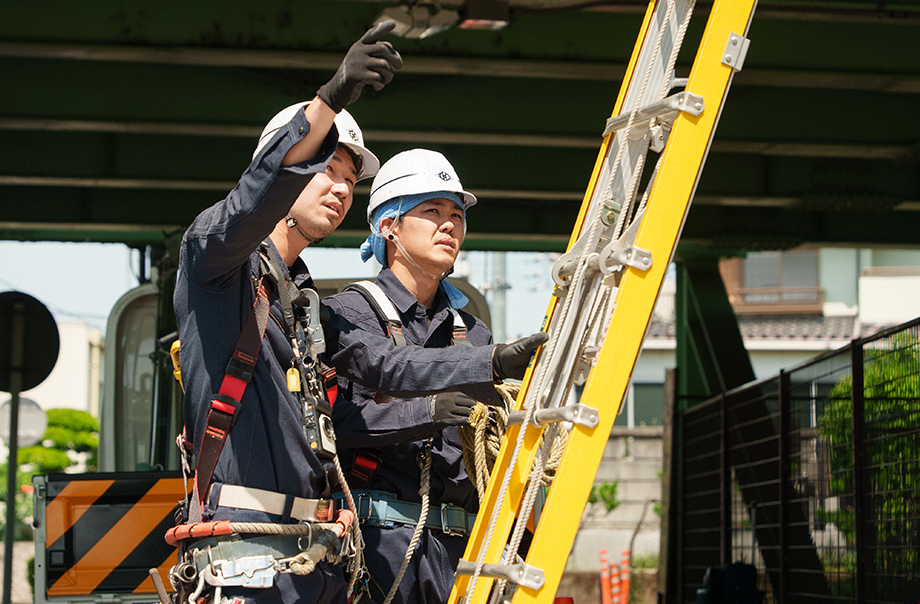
(83, 281)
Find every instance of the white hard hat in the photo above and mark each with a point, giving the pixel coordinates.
(415, 171)
(349, 135)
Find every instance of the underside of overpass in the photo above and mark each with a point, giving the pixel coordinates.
(121, 120)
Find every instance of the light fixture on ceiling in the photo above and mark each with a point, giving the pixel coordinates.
(418, 21)
(484, 14)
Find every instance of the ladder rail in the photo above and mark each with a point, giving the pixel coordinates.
(665, 213)
(598, 299)
(501, 499)
(497, 512)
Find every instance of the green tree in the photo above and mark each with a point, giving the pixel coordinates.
(891, 377)
(70, 435)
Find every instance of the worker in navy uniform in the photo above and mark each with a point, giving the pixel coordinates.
(296, 191)
(417, 213)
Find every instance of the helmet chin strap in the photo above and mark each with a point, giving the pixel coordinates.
(292, 224)
(391, 235)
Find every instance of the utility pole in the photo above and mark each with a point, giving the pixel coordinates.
(498, 287)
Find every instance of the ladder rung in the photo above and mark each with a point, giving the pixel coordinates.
(582, 415)
(520, 574)
(682, 101)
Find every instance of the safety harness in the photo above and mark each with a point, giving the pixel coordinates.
(214, 553)
(385, 310)
(366, 461)
(381, 508)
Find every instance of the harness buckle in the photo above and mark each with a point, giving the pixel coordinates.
(370, 508)
(226, 404)
(453, 520)
(251, 571)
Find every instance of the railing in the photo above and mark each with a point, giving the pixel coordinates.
(777, 300)
(813, 476)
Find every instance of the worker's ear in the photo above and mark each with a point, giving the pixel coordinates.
(385, 225)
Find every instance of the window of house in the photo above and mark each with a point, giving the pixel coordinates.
(780, 278)
(781, 269)
(644, 405)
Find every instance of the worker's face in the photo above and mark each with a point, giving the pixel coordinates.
(432, 233)
(322, 205)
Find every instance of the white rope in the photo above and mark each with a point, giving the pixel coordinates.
(269, 528)
(621, 148)
(425, 464)
(357, 563)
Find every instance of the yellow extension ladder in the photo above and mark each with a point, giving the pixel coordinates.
(607, 285)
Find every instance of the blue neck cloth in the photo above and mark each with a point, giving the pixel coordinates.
(376, 246)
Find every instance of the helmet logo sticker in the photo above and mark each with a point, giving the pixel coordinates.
(444, 176)
(353, 135)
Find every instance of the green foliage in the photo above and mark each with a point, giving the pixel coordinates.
(607, 493)
(42, 460)
(30, 575)
(65, 438)
(23, 503)
(844, 520)
(644, 561)
(78, 421)
(891, 394)
(72, 429)
(838, 560)
(68, 430)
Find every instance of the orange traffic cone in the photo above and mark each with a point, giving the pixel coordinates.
(605, 578)
(624, 577)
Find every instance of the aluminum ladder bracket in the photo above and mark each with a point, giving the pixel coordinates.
(578, 414)
(669, 107)
(519, 574)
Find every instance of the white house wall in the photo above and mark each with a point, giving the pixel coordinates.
(74, 381)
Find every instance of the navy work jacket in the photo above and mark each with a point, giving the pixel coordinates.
(215, 289)
(394, 428)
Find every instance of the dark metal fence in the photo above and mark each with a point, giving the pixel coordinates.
(812, 476)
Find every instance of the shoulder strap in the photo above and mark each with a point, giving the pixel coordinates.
(386, 312)
(383, 307)
(459, 333)
(365, 463)
(225, 405)
(270, 268)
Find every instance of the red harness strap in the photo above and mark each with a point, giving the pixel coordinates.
(225, 405)
(363, 469)
(330, 383)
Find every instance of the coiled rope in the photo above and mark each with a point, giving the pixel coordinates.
(482, 437)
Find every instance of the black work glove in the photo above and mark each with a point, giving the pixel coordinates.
(368, 62)
(450, 409)
(510, 361)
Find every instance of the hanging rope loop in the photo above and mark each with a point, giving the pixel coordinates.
(482, 439)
